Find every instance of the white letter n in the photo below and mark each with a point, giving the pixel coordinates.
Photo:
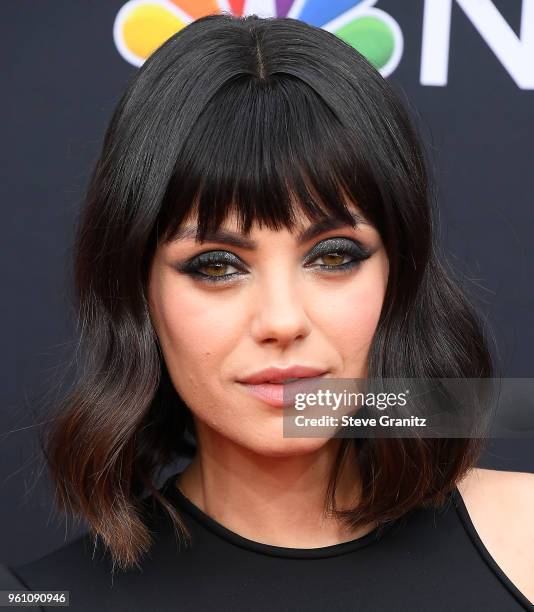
(515, 54)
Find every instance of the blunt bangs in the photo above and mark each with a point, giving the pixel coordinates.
(261, 149)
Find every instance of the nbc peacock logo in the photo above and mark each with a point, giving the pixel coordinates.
(141, 26)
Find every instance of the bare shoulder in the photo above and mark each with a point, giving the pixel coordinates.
(498, 491)
(501, 505)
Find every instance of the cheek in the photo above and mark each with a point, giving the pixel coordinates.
(195, 332)
(197, 328)
(354, 308)
(350, 311)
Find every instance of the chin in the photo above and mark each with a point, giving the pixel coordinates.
(286, 447)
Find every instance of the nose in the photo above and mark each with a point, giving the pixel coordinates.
(280, 316)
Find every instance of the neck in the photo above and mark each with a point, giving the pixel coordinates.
(273, 500)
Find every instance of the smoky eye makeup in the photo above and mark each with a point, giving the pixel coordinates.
(338, 255)
(338, 247)
(216, 261)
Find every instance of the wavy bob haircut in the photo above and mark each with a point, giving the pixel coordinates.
(270, 119)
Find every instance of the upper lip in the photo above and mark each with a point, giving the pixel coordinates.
(279, 374)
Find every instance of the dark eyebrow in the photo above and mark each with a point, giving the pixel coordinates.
(188, 232)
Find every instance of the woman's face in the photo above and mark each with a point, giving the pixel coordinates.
(275, 301)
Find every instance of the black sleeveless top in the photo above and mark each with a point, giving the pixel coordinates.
(430, 560)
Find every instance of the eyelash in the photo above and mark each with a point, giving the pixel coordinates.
(337, 246)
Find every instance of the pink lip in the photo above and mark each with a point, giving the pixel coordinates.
(273, 393)
(276, 375)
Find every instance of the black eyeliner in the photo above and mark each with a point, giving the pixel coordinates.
(341, 245)
(345, 245)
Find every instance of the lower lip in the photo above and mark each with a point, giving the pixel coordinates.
(273, 393)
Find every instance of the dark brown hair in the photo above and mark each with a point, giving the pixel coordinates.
(252, 115)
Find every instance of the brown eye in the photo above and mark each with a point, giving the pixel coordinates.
(337, 255)
(214, 269)
(217, 266)
(333, 259)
